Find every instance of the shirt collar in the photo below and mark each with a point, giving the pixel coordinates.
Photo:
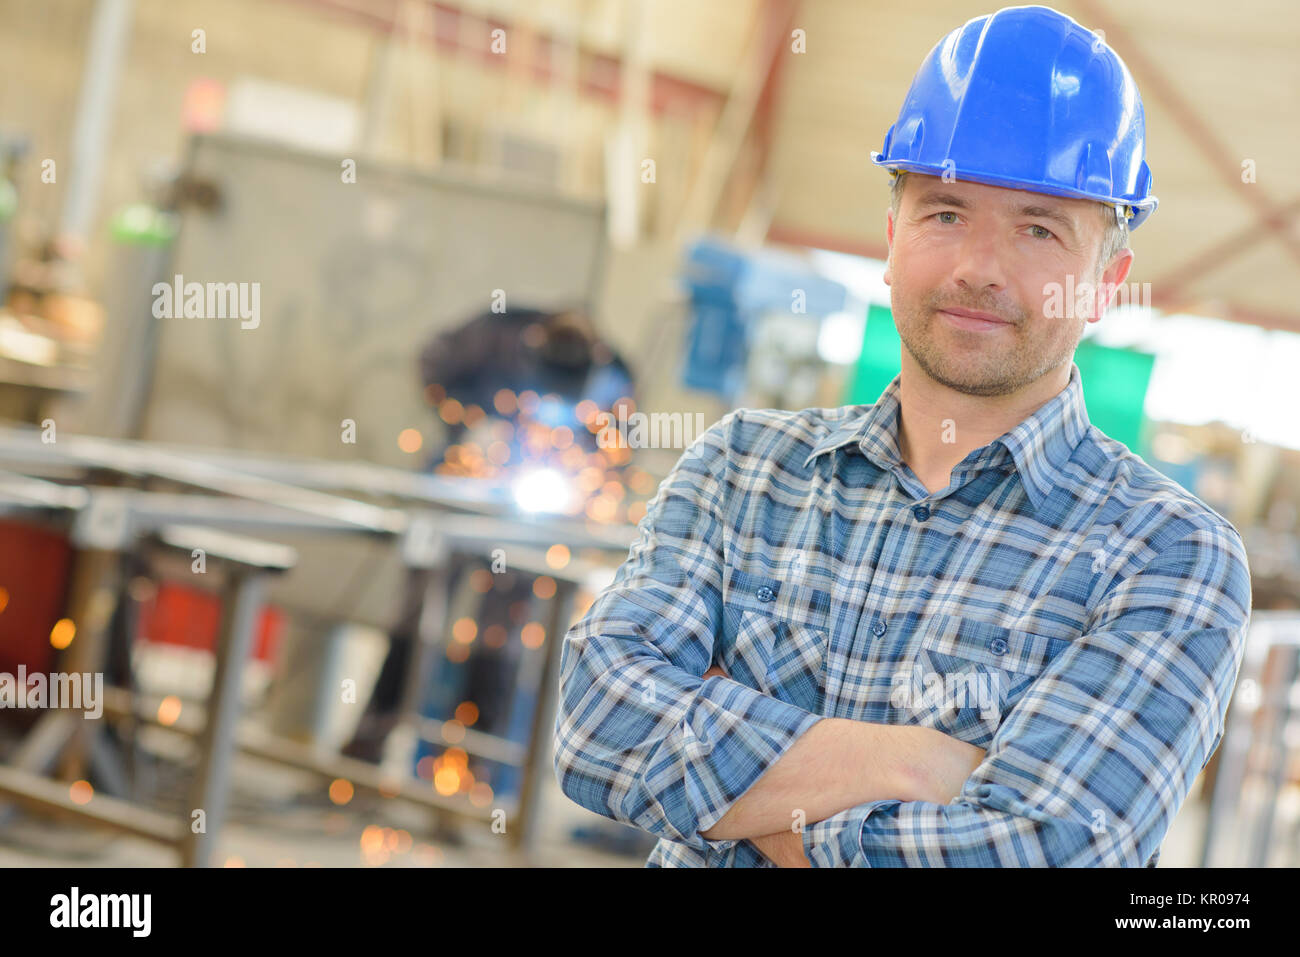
(1040, 447)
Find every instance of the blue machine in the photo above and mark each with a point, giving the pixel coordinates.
(730, 289)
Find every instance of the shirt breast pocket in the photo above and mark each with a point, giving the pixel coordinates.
(775, 638)
(968, 675)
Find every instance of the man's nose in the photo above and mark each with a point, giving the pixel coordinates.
(981, 261)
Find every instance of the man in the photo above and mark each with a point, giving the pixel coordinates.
(961, 626)
(556, 353)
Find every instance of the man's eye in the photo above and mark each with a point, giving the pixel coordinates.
(947, 212)
(1043, 232)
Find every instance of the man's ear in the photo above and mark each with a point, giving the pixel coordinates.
(889, 238)
(1112, 277)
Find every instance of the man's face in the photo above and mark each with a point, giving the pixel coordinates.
(983, 249)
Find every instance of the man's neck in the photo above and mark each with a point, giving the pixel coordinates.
(939, 426)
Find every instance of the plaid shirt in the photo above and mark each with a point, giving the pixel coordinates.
(1092, 612)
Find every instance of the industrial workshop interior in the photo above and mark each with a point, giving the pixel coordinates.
(649, 433)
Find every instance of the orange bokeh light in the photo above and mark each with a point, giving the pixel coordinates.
(410, 440)
(532, 635)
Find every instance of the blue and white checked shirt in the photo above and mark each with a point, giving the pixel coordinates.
(1092, 611)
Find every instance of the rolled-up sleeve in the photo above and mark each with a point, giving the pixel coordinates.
(640, 737)
(1091, 765)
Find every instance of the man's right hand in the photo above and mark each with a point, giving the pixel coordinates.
(930, 765)
(839, 763)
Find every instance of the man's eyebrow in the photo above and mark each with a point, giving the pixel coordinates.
(1047, 212)
(942, 199)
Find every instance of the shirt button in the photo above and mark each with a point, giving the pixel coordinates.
(766, 594)
(922, 512)
(878, 628)
(998, 646)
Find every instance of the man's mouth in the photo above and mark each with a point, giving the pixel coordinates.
(973, 320)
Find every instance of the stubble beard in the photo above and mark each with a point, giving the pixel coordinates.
(996, 368)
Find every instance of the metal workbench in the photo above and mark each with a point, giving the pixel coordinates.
(240, 495)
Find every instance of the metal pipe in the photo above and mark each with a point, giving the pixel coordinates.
(109, 32)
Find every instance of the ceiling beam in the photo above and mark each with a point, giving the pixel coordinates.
(818, 239)
(600, 74)
(1216, 151)
(767, 40)
(1172, 285)
(762, 191)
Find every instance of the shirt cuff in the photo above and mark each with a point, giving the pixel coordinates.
(837, 840)
(719, 847)
(754, 732)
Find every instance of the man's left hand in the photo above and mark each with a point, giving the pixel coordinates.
(784, 849)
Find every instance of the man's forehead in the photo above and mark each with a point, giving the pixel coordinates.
(928, 186)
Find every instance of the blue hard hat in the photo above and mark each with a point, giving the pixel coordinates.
(1026, 98)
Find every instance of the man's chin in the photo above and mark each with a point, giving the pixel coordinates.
(971, 382)
(984, 389)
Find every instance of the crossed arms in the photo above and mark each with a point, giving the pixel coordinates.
(838, 764)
